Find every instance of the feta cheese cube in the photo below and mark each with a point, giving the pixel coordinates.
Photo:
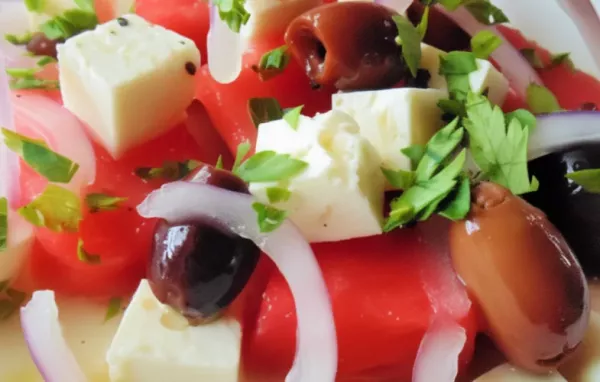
(272, 16)
(340, 194)
(393, 119)
(584, 364)
(486, 77)
(156, 344)
(509, 373)
(128, 80)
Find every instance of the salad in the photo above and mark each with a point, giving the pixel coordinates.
(297, 190)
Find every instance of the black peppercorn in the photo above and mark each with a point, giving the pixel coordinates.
(190, 68)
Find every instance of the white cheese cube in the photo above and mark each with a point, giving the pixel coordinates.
(155, 344)
(486, 77)
(584, 364)
(273, 16)
(128, 80)
(508, 373)
(393, 119)
(48, 10)
(340, 194)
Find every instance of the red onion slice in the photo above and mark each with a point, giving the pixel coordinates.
(43, 334)
(9, 162)
(585, 18)
(225, 49)
(13, 19)
(558, 131)
(316, 353)
(513, 65)
(437, 358)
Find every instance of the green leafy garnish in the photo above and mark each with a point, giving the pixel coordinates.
(219, 164)
(460, 203)
(36, 6)
(45, 60)
(69, 24)
(233, 13)
(485, 12)
(292, 116)
(87, 5)
(524, 116)
(485, 43)
(114, 307)
(409, 39)
(532, 57)
(242, 150)
(57, 209)
(47, 163)
(414, 153)
(562, 58)
(263, 110)
(456, 67)
(452, 108)
(278, 194)
(269, 218)
(541, 100)
(102, 202)
(499, 148)
(589, 179)
(86, 257)
(268, 166)
(24, 78)
(19, 39)
(400, 179)
(272, 63)
(169, 171)
(424, 23)
(3, 223)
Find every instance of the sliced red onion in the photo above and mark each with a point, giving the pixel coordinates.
(558, 131)
(437, 358)
(43, 334)
(39, 117)
(514, 66)
(13, 20)
(316, 353)
(585, 18)
(399, 6)
(9, 162)
(225, 49)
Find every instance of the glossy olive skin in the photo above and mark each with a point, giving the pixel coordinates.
(524, 277)
(574, 211)
(444, 33)
(40, 45)
(348, 45)
(199, 268)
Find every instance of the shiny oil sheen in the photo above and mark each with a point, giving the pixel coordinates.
(524, 276)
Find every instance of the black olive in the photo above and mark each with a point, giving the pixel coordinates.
(443, 33)
(40, 45)
(199, 268)
(574, 211)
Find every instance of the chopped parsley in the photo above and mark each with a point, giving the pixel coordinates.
(233, 13)
(47, 163)
(219, 163)
(541, 100)
(263, 110)
(414, 153)
(36, 6)
(400, 179)
(102, 202)
(485, 43)
(86, 257)
(113, 309)
(25, 78)
(269, 218)
(169, 171)
(278, 194)
(409, 38)
(57, 209)
(19, 39)
(292, 116)
(45, 60)
(272, 63)
(70, 23)
(560, 59)
(589, 179)
(483, 10)
(268, 166)
(531, 55)
(242, 150)
(456, 67)
(3, 223)
(424, 23)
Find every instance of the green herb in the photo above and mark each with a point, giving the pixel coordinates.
(456, 67)
(114, 307)
(45, 60)
(21, 72)
(3, 223)
(263, 110)
(278, 194)
(268, 166)
(272, 63)
(102, 202)
(541, 100)
(36, 6)
(410, 40)
(532, 57)
(242, 150)
(589, 179)
(399, 178)
(452, 107)
(47, 163)
(269, 218)
(562, 58)
(169, 171)
(424, 23)
(499, 148)
(439, 147)
(87, 5)
(414, 153)
(233, 13)
(219, 164)
(524, 116)
(292, 116)
(460, 204)
(485, 12)
(57, 209)
(86, 257)
(19, 39)
(485, 43)
(450, 5)
(33, 83)
(71, 22)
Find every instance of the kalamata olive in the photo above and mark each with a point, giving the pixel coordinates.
(349, 45)
(574, 211)
(524, 277)
(40, 45)
(199, 268)
(442, 33)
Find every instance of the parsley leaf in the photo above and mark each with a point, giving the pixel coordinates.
(169, 171)
(560, 59)
(414, 153)
(19, 40)
(268, 166)
(292, 116)
(400, 179)
(530, 54)
(57, 209)
(263, 110)
(269, 218)
(460, 204)
(424, 23)
(524, 116)
(36, 6)
(485, 43)
(87, 5)
(242, 150)
(439, 147)
(498, 148)
(485, 12)
(589, 179)
(3, 223)
(24, 78)
(410, 40)
(45, 60)
(219, 164)
(102, 202)
(114, 307)
(233, 13)
(86, 257)
(541, 100)
(47, 163)
(69, 24)
(456, 67)
(272, 63)
(278, 194)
